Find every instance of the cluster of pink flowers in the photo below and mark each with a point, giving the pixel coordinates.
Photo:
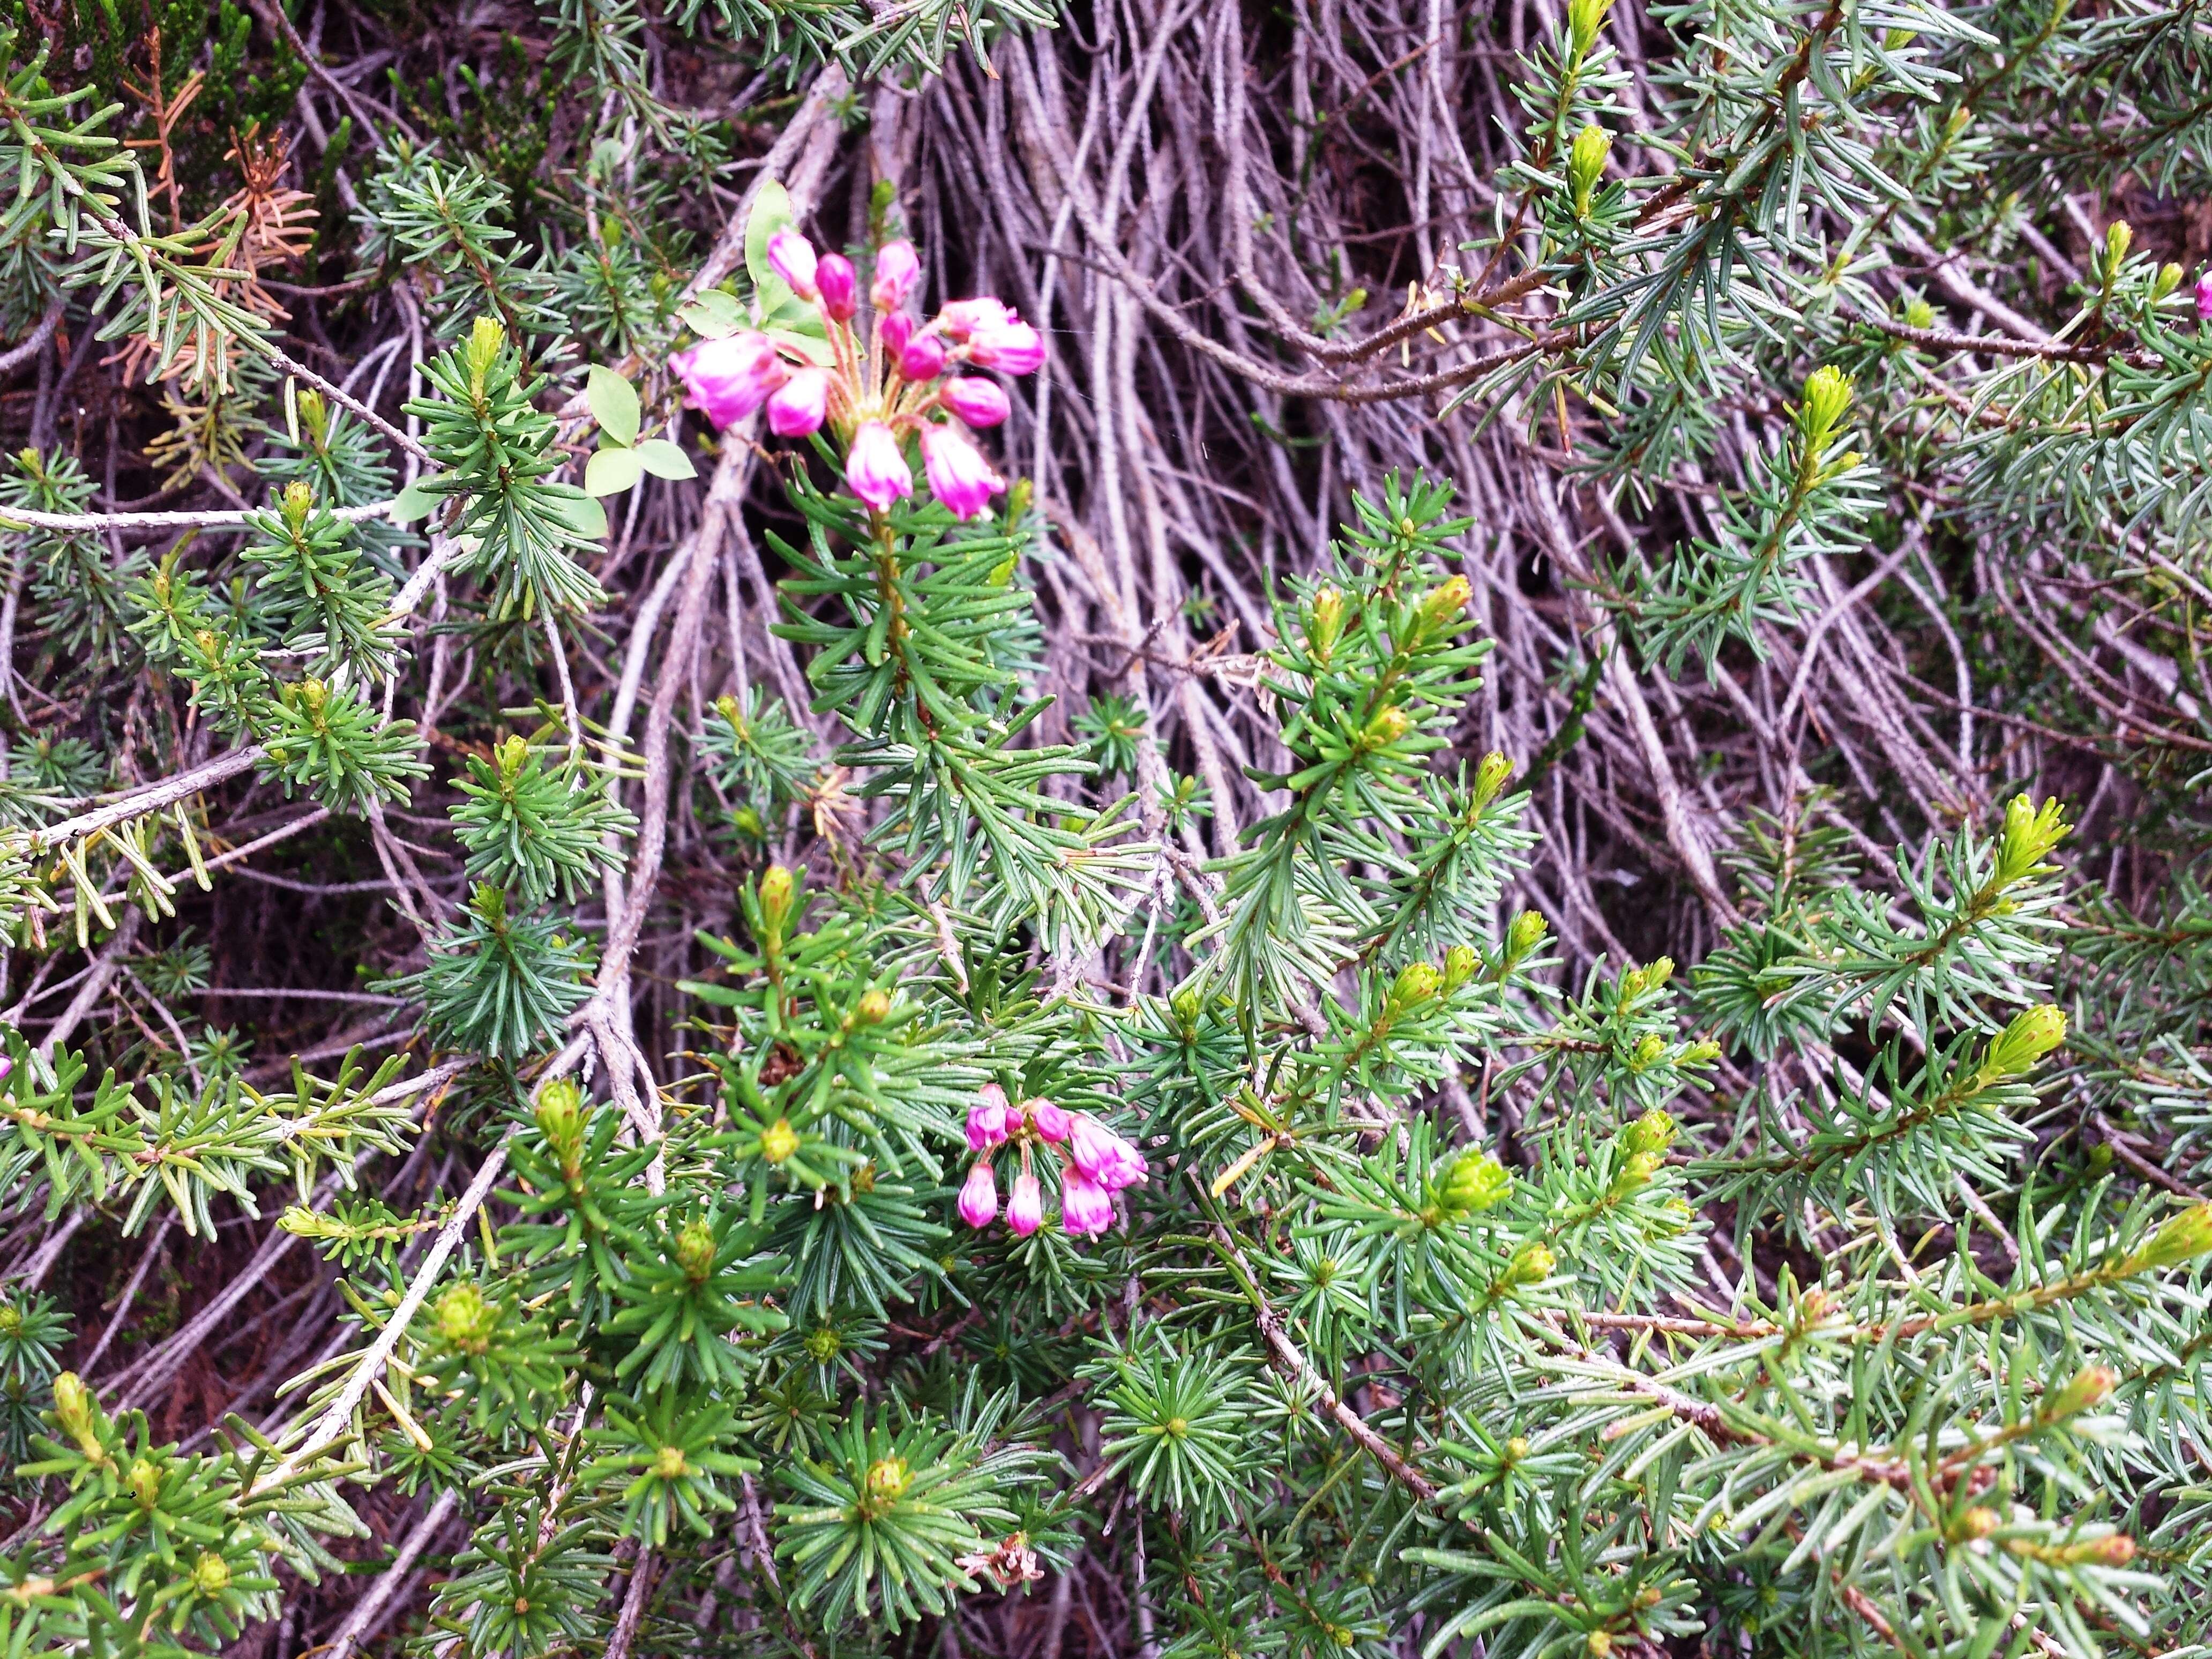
(874, 392)
(1095, 1165)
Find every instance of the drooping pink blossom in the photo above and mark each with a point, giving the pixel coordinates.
(987, 1119)
(963, 317)
(728, 379)
(978, 1197)
(979, 402)
(792, 257)
(923, 358)
(1084, 1206)
(840, 285)
(1050, 1121)
(1007, 343)
(1103, 1156)
(960, 477)
(800, 404)
(1025, 1209)
(898, 267)
(875, 469)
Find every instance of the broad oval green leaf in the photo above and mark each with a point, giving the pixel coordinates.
(614, 405)
(611, 471)
(664, 460)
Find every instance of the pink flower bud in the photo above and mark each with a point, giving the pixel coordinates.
(1050, 1121)
(2204, 295)
(1025, 1209)
(923, 359)
(1084, 1206)
(791, 257)
(963, 317)
(893, 332)
(840, 285)
(1010, 344)
(1103, 1156)
(799, 405)
(979, 402)
(978, 1197)
(897, 269)
(987, 1119)
(963, 480)
(728, 378)
(874, 468)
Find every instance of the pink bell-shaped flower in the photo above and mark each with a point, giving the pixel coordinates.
(875, 469)
(1008, 343)
(728, 379)
(892, 332)
(1103, 1156)
(978, 402)
(839, 286)
(800, 404)
(898, 268)
(978, 1197)
(1025, 1209)
(792, 257)
(2204, 295)
(1084, 1206)
(963, 317)
(987, 1119)
(960, 477)
(1050, 1121)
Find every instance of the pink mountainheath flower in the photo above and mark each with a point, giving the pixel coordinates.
(959, 475)
(978, 1197)
(1025, 1209)
(874, 468)
(841, 287)
(978, 402)
(728, 379)
(799, 405)
(791, 256)
(898, 268)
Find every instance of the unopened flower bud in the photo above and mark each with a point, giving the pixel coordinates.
(1598, 1644)
(1494, 773)
(210, 1574)
(1827, 400)
(1533, 1264)
(887, 1480)
(978, 1197)
(922, 358)
(1586, 161)
(145, 1483)
(1025, 1208)
(898, 268)
(975, 401)
(778, 1141)
(1523, 935)
(1475, 1181)
(2030, 833)
(776, 890)
(1460, 964)
(1417, 981)
(77, 1412)
(2181, 1240)
(1654, 1131)
(2090, 1387)
(1650, 1048)
(1446, 607)
(1386, 725)
(1641, 981)
(1325, 624)
(669, 1463)
(839, 285)
(559, 1114)
(873, 1008)
(466, 1318)
(893, 332)
(695, 1250)
(2119, 236)
(1918, 313)
(792, 257)
(2167, 280)
(1635, 1173)
(1978, 1521)
(1584, 19)
(2032, 1034)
